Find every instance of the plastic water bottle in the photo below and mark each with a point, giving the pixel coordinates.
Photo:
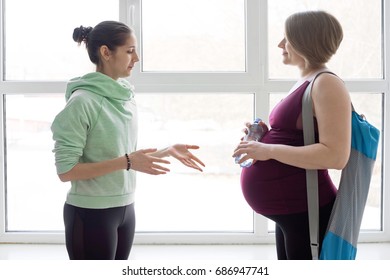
(255, 133)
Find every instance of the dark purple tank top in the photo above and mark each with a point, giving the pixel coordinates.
(274, 188)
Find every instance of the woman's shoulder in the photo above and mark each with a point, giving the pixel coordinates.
(326, 79)
(82, 97)
(329, 86)
(82, 103)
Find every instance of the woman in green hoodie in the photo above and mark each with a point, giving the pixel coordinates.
(95, 147)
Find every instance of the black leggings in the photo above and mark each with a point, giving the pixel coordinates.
(292, 234)
(99, 234)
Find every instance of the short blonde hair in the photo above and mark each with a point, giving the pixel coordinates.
(316, 35)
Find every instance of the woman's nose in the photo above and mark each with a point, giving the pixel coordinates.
(282, 43)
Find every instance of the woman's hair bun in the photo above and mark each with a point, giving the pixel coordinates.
(80, 34)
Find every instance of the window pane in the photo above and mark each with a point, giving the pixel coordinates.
(369, 104)
(360, 53)
(187, 35)
(187, 200)
(42, 47)
(35, 196)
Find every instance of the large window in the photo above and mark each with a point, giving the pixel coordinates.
(194, 36)
(38, 43)
(360, 54)
(186, 200)
(207, 67)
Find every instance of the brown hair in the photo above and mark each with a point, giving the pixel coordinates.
(316, 35)
(110, 33)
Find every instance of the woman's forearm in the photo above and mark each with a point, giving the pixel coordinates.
(85, 171)
(316, 156)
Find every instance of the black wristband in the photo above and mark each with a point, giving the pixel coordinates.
(128, 162)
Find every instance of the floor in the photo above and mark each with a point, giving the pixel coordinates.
(366, 251)
(28, 261)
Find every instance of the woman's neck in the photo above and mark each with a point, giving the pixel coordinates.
(308, 73)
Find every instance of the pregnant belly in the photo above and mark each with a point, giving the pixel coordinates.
(271, 187)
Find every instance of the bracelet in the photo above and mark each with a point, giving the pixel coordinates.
(128, 162)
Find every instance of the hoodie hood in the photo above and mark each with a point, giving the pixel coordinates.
(102, 85)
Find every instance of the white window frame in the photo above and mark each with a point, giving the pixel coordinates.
(255, 80)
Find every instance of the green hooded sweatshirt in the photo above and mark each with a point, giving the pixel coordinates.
(99, 122)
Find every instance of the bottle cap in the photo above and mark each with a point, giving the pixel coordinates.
(257, 120)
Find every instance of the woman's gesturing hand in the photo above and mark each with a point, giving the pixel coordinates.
(181, 153)
(144, 161)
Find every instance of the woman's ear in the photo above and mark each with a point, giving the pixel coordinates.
(105, 52)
